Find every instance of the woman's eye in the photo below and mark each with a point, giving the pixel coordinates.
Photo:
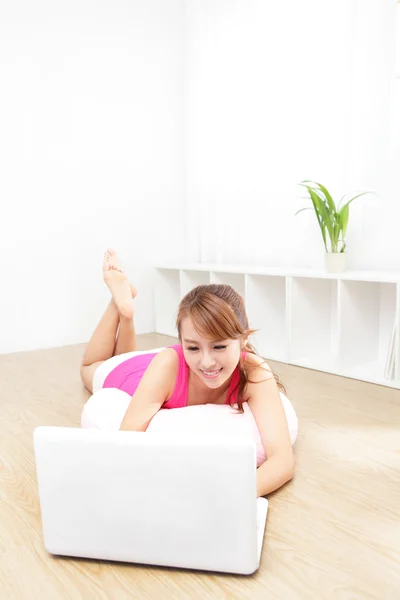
(193, 348)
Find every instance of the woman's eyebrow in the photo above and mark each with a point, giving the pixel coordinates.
(195, 342)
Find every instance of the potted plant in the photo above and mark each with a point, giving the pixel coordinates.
(332, 220)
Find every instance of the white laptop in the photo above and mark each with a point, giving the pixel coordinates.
(142, 498)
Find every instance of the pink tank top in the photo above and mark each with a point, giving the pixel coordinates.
(127, 375)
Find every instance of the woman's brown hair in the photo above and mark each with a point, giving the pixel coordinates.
(218, 312)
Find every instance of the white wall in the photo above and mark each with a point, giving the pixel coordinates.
(91, 154)
(278, 93)
(179, 129)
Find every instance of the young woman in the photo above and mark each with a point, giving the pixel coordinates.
(214, 363)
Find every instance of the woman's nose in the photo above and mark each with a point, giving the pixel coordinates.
(207, 361)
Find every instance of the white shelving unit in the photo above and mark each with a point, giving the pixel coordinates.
(339, 323)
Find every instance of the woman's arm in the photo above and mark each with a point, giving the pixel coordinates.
(152, 391)
(266, 405)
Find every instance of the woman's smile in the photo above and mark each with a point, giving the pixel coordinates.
(211, 374)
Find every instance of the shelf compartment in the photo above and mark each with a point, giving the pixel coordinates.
(266, 310)
(367, 316)
(312, 319)
(166, 300)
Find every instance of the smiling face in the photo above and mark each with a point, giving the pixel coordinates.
(213, 361)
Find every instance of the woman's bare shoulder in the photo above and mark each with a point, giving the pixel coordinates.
(168, 356)
(258, 367)
(254, 360)
(168, 362)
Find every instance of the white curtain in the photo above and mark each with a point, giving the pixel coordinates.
(397, 80)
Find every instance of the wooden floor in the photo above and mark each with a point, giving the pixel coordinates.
(333, 532)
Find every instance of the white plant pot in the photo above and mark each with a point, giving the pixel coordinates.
(335, 262)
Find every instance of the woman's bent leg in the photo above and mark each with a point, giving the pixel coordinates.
(126, 339)
(105, 341)
(101, 345)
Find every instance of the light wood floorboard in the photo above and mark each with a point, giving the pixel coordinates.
(332, 532)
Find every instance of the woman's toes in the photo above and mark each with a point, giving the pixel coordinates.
(111, 261)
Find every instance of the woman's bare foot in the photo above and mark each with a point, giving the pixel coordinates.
(122, 291)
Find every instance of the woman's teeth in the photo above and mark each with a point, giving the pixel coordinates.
(211, 374)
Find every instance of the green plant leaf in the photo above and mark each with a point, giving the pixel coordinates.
(301, 210)
(324, 195)
(322, 215)
(344, 219)
(336, 231)
(316, 201)
(315, 184)
(330, 221)
(314, 187)
(328, 197)
(357, 196)
(321, 212)
(341, 200)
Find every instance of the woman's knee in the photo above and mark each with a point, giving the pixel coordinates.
(87, 374)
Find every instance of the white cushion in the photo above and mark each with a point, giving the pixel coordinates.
(107, 407)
